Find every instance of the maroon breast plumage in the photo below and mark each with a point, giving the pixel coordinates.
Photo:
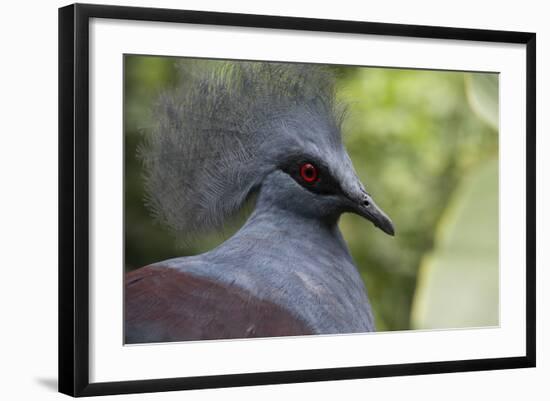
(163, 304)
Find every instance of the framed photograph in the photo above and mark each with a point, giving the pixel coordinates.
(250, 199)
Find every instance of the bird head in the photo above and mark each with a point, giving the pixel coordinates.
(311, 172)
(233, 129)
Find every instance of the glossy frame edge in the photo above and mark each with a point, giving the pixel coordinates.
(73, 295)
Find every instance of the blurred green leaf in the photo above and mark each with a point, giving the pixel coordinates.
(458, 281)
(482, 91)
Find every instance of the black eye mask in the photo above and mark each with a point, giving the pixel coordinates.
(312, 175)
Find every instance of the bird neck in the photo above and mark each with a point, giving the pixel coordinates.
(288, 230)
(271, 213)
(292, 260)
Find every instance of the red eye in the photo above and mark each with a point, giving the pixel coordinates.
(309, 172)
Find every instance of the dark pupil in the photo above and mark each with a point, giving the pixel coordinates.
(309, 171)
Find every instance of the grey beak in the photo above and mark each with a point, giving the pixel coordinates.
(371, 211)
(366, 207)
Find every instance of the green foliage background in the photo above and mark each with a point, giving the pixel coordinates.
(416, 138)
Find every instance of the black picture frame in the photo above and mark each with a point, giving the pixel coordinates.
(74, 198)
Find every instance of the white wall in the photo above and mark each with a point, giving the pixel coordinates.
(28, 199)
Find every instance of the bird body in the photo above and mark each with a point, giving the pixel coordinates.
(300, 264)
(287, 271)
